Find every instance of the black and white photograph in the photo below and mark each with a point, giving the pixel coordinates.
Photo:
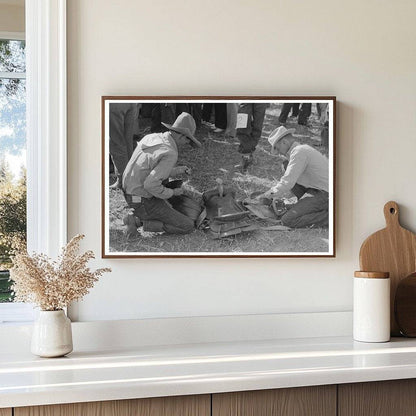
(218, 176)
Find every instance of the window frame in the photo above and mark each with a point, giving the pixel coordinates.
(46, 126)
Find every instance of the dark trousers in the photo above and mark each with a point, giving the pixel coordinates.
(196, 113)
(181, 107)
(304, 113)
(146, 110)
(284, 113)
(123, 125)
(162, 112)
(309, 211)
(207, 111)
(318, 109)
(220, 110)
(158, 215)
(220, 115)
(249, 136)
(194, 109)
(325, 135)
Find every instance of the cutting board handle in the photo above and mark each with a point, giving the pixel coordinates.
(391, 214)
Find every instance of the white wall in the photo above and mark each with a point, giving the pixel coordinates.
(360, 51)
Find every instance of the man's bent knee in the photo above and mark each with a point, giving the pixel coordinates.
(188, 228)
(290, 219)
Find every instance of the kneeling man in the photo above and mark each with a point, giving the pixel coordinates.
(306, 176)
(152, 162)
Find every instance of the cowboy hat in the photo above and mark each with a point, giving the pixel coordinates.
(278, 134)
(184, 124)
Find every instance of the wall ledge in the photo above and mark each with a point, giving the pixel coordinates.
(190, 330)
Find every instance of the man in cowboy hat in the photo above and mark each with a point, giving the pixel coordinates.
(152, 162)
(306, 176)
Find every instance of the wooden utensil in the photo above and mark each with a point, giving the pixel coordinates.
(393, 250)
(405, 306)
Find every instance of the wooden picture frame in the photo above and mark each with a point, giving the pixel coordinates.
(224, 160)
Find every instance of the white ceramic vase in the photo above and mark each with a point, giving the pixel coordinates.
(52, 334)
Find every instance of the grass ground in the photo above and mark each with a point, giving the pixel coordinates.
(217, 159)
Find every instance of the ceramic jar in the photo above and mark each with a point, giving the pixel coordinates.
(52, 334)
(371, 307)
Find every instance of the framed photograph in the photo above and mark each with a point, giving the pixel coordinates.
(218, 176)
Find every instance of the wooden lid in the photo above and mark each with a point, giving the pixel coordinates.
(372, 275)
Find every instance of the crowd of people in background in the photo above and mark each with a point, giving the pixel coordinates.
(145, 123)
(129, 122)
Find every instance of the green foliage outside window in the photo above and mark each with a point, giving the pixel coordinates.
(12, 145)
(12, 223)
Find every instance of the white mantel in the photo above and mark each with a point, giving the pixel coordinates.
(154, 371)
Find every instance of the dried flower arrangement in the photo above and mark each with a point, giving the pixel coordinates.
(53, 285)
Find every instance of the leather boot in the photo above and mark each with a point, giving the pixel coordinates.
(132, 223)
(246, 161)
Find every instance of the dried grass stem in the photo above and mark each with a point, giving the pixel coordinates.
(53, 285)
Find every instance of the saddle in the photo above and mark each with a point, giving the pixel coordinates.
(265, 208)
(220, 214)
(226, 217)
(190, 207)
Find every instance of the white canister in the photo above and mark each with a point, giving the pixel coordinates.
(371, 313)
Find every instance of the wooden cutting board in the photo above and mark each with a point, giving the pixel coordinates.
(393, 250)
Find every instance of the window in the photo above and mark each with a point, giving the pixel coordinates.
(12, 153)
(46, 135)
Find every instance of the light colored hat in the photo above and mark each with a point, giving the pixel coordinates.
(278, 134)
(184, 124)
